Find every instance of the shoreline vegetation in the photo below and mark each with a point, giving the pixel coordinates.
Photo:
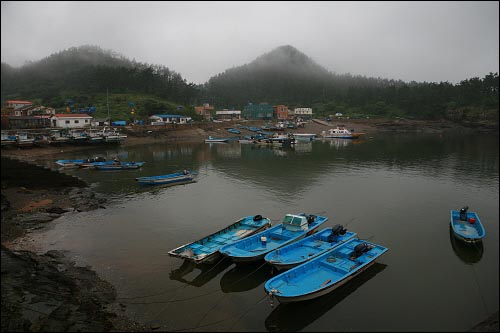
(47, 292)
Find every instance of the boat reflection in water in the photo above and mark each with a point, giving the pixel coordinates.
(469, 253)
(246, 277)
(293, 317)
(206, 272)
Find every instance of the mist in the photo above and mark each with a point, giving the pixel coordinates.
(409, 41)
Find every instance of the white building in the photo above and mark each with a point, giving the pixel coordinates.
(303, 112)
(228, 114)
(163, 119)
(70, 120)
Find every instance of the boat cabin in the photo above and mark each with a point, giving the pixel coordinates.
(295, 222)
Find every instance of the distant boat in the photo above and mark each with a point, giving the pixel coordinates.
(207, 248)
(120, 166)
(293, 228)
(340, 133)
(8, 139)
(93, 162)
(233, 130)
(309, 247)
(325, 273)
(171, 178)
(70, 163)
(466, 225)
(216, 140)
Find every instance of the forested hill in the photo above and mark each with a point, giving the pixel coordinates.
(287, 76)
(90, 70)
(283, 76)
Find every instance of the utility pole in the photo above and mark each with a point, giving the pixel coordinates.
(107, 104)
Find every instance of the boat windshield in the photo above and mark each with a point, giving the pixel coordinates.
(294, 220)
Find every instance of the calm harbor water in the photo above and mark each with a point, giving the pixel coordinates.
(392, 189)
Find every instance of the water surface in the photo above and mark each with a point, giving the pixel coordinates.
(392, 189)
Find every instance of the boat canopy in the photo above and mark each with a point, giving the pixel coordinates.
(295, 222)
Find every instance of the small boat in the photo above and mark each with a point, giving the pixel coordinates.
(93, 162)
(171, 178)
(466, 225)
(309, 247)
(293, 228)
(340, 133)
(207, 248)
(216, 140)
(8, 139)
(324, 273)
(234, 131)
(120, 166)
(70, 163)
(24, 140)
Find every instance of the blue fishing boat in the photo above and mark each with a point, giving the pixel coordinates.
(309, 247)
(182, 177)
(120, 166)
(293, 228)
(70, 163)
(466, 225)
(234, 130)
(207, 248)
(324, 273)
(92, 162)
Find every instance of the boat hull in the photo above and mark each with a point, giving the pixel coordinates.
(324, 273)
(324, 291)
(255, 249)
(212, 243)
(306, 249)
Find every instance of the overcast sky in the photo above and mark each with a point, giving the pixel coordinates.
(411, 41)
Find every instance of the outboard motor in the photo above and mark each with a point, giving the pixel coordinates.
(257, 217)
(338, 229)
(360, 249)
(311, 218)
(463, 213)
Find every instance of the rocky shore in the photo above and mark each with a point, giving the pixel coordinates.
(48, 292)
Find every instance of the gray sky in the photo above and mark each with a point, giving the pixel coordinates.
(411, 41)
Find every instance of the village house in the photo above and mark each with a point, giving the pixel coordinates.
(70, 120)
(304, 113)
(280, 112)
(261, 111)
(163, 119)
(206, 111)
(17, 104)
(228, 114)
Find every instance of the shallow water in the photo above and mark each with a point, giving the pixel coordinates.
(392, 189)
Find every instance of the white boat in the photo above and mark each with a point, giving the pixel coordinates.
(216, 140)
(340, 133)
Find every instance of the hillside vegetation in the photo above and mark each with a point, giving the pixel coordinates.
(282, 76)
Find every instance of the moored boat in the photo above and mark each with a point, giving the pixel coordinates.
(293, 228)
(340, 133)
(309, 247)
(324, 273)
(216, 140)
(70, 163)
(119, 166)
(171, 178)
(207, 248)
(466, 225)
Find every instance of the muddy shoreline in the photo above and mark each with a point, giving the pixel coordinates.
(47, 292)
